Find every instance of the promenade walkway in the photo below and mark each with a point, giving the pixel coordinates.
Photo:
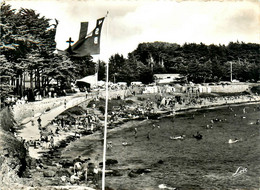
(32, 132)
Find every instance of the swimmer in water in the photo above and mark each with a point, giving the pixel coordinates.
(148, 135)
(135, 132)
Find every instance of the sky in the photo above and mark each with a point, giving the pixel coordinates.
(131, 22)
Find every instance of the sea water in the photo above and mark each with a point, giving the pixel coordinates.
(209, 163)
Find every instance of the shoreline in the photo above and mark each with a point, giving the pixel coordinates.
(137, 121)
(69, 135)
(192, 109)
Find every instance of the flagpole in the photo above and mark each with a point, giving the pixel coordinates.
(105, 127)
(231, 71)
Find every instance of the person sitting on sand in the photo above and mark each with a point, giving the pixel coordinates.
(78, 159)
(57, 131)
(77, 168)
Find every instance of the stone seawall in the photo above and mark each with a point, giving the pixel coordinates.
(229, 88)
(22, 111)
(115, 93)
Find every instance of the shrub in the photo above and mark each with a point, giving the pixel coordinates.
(7, 119)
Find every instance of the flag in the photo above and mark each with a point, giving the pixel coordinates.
(83, 30)
(90, 45)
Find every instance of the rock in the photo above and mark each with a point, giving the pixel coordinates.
(63, 144)
(137, 172)
(141, 171)
(160, 162)
(154, 116)
(63, 172)
(1, 159)
(109, 188)
(109, 162)
(49, 173)
(117, 173)
(132, 174)
(86, 160)
(6, 152)
(66, 163)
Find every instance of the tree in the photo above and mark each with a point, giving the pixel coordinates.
(84, 66)
(28, 42)
(6, 72)
(116, 65)
(101, 70)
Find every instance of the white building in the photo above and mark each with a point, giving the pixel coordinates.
(167, 78)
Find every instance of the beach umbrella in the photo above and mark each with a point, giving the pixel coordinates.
(163, 101)
(177, 86)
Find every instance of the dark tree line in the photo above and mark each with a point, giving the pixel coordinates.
(199, 62)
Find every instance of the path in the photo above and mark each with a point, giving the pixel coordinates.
(31, 132)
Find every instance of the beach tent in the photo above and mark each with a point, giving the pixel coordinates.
(163, 101)
(88, 81)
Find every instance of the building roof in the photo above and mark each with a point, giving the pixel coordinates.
(169, 75)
